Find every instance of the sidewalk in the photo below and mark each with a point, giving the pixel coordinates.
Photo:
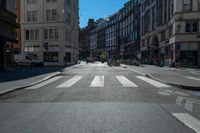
(182, 78)
(24, 77)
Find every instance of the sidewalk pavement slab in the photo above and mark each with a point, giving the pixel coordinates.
(10, 86)
(172, 76)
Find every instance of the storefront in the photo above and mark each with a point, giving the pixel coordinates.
(51, 57)
(188, 53)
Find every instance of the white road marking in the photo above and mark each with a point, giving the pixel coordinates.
(125, 82)
(70, 82)
(188, 120)
(164, 93)
(98, 81)
(189, 105)
(153, 82)
(193, 78)
(137, 72)
(43, 83)
(195, 72)
(179, 100)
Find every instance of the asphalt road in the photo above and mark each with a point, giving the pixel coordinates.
(95, 98)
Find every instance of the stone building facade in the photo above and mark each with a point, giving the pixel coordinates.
(170, 32)
(50, 30)
(129, 30)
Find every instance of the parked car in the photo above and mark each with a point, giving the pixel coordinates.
(27, 60)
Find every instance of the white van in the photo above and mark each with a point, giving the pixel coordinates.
(21, 60)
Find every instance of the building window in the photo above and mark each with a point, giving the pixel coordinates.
(51, 34)
(187, 5)
(199, 4)
(27, 35)
(51, 57)
(32, 34)
(31, 16)
(191, 27)
(51, 15)
(56, 34)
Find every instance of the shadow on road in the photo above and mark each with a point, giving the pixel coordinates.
(25, 72)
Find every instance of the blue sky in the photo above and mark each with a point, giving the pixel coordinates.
(98, 9)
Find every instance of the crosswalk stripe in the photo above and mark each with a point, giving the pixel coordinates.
(125, 82)
(193, 78)
(44, 83)
(153, 82)
(70, 82)
(188, 120)
(98, 81)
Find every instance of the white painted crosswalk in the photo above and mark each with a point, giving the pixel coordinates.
(153, 82)
(43, 83)
(125, 82)
(98, 81)
(70, 82)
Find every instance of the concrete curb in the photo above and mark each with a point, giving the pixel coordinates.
(29, 85)
(195, 88)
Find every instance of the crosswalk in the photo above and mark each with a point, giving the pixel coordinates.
(153, 82)
(70, 82)
(44, 83)
(125, 82)
(99, 81)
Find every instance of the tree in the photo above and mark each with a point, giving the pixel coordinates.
(103, 57)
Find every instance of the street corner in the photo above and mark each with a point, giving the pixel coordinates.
(8, 87)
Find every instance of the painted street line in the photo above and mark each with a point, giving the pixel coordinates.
(189, 105)
(70, 82)
(125, 82)
(153, 82)
(195, 72)
(98, 81)
(193, 78)
(188, 120)
(179, 100)
(44, 83)
(137, 72)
